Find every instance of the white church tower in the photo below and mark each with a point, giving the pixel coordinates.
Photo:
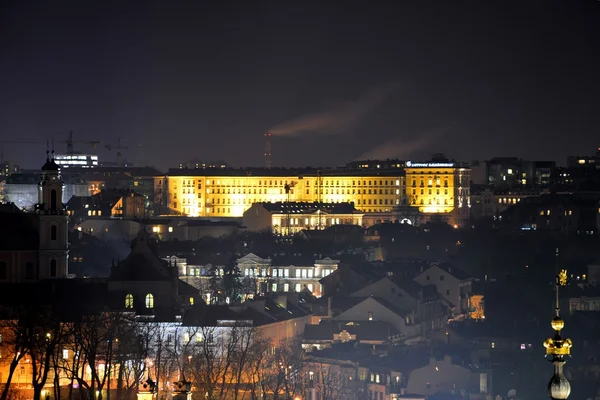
(53, 223)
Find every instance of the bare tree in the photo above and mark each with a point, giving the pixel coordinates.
(224, 359)
(35, 331)
(13, 345)
(96, 339)
(283, 377)
(332, 380)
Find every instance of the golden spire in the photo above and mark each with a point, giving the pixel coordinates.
(557, 347)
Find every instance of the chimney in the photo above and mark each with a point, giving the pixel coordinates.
(267, 155)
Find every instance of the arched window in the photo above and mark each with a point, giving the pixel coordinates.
(149, 301)
(3, 270)
(53, 232)
(52, 267)
(53, 199)
(129, 301)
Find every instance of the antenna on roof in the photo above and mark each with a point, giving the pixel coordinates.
(47, 150)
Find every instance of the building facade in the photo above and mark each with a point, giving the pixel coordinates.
(228, 193)
(440, 188)
(373, 187)
(291, 218)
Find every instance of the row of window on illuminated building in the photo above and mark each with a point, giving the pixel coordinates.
(430, 191)
(430, 202)
(346, 183)
(149, 301)
(429, 182)
(285, 287)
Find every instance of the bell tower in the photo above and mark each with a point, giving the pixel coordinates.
(53, 223)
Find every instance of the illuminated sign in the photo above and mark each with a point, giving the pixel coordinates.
(411, 164)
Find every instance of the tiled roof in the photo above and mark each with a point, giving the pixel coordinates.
(364, 330)
(455, 271)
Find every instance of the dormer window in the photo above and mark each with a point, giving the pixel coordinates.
(129, 301)
(149, 300)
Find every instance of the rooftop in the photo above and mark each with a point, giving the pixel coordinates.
(309, 208)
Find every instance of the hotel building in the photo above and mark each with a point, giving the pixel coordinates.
(437, 187)
(230, 192)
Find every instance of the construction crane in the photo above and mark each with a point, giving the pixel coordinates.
(69, 142)
(119, 149)
(289, 189)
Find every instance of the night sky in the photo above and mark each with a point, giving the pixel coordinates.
(334, 83)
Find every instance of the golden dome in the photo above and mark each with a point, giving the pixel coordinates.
(557, 323)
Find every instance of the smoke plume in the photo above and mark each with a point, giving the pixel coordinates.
(402, 148)
(338, 120)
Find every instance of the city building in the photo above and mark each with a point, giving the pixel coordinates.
(439, 188)
(281, 274)
(36, 246)
(136, 179)
(443, 376)
(511, 172)
(22, 188)
(453, 284)
(569, 213)
(77, 160)
(290, 218)
(115, 203)
(489, 201)
(592, 162)
(373, 187)
(230, 192)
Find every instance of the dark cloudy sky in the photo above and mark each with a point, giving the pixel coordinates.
(335, 80)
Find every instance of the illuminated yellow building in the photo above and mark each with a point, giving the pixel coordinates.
(439, 188)
(228, 193)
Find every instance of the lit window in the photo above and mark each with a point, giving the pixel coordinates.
(129, 301)
(191, 301)
(149, 300)
(186, 337)
(370, 315)
(65, 354)
(198, 337)
(170, 229)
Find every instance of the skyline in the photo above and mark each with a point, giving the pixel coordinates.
(395, 80)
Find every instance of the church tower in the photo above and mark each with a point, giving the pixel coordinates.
(53, 223)
(558, 348)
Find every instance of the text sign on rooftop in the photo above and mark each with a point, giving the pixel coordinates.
(411, 164)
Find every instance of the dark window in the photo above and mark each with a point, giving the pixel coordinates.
(427, 277)
(3, 270)
(53, 199)
(53, 232)
(447, 292)
(29, 270)
(441, 277)
(52, 267)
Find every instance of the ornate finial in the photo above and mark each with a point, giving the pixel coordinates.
(47, 150)
(556, 347)
(53, 149)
